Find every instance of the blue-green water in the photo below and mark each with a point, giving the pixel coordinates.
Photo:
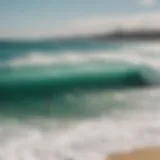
(77, 100)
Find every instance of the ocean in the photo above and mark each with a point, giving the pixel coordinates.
(78, 99)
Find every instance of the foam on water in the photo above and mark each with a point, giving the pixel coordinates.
(44, 59)
(125, 128)
(142, 54)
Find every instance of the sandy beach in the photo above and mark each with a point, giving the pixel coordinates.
(139, 154)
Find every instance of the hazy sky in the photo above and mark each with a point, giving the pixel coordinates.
(40, 17)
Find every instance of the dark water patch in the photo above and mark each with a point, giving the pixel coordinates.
(75, 104)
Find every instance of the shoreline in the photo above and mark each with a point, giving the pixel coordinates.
(146, 153)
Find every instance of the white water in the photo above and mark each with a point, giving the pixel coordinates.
(142, 54)
(135, 123)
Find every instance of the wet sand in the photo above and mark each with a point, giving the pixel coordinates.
(139, 154)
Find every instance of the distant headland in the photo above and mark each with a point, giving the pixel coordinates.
(143, 35)
(117, 35)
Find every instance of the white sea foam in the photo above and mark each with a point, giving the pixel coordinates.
(136, 125)
(143, 54)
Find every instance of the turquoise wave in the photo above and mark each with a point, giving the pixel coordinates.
(38, 81)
